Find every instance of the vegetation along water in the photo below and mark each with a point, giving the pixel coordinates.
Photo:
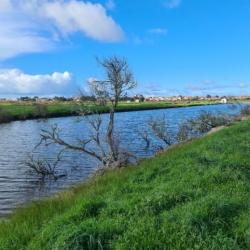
(195, 194)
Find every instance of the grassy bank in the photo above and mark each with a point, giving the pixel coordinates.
(11, 111)
(194, 196)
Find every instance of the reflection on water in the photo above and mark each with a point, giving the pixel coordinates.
(17, 139)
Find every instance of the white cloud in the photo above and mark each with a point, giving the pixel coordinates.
(160, 31)
(16, 82)
(33, 25)
(91, 19)
(171, 4)
(17, 36)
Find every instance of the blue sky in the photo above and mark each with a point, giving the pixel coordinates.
(188, 47)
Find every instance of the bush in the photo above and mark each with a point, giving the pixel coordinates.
(40, 110)
(5, 116)
(202, 124)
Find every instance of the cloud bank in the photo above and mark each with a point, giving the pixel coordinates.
(16, 82)
(37, 25)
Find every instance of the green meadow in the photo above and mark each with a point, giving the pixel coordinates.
(195, 195)
(28, 110)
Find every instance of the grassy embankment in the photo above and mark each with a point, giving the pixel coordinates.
(11, 111)
(194, 196)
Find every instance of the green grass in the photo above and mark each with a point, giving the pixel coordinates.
(23, 111)
(194, 196)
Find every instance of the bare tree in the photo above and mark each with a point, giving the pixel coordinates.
(160, 129)
(119, 79)
(45, 168)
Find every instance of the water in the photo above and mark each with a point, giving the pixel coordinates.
(18, 186)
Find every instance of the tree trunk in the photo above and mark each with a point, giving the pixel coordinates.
(110, 134)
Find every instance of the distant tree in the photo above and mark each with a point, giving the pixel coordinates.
(85, 98)
(60, 98)
(141, 98)
(25, 99)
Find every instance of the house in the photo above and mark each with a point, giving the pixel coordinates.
(223, 100)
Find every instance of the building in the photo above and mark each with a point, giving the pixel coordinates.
(223, 100)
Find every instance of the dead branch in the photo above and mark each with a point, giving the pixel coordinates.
(145, 137)
(159, 128)
(45, 168)
(52, 136)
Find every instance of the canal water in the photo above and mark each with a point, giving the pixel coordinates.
(18, 139)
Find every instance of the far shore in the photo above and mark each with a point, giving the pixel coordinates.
(20, 111)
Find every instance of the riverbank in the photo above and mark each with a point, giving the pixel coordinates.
(13, 111)
(195, 195)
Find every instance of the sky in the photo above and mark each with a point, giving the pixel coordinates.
(174, 47)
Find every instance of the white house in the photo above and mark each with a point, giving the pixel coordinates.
(223, 100)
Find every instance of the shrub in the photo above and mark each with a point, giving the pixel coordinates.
(5, 116)
(40, 110)
(202, 124)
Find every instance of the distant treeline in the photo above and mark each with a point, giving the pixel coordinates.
(70, 99)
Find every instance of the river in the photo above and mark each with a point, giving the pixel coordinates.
(17, 139)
